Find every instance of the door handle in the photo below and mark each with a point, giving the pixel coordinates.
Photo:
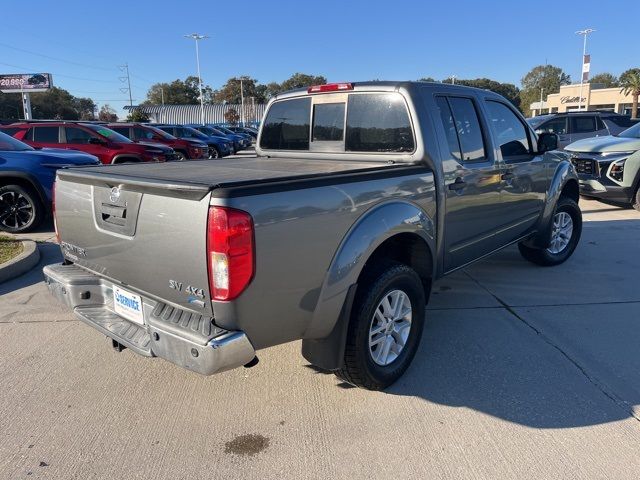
(459, 184)
(508, 176)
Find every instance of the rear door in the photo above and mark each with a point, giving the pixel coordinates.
(472, 181)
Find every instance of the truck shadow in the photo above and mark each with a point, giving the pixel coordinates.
(565, 357)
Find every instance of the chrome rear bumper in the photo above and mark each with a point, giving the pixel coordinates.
(188, 339)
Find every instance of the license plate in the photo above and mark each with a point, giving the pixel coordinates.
(128, 305)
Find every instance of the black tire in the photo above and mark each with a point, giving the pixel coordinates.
(181, 156)
(214, 153)
(544, 257)
(359, 367)
(636, 199)
(20, 209)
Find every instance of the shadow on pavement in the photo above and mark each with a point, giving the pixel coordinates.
(49, 253)
(569, 364)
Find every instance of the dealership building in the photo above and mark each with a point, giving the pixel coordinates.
(594, 97)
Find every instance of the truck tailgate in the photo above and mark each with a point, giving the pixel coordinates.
(148, 242)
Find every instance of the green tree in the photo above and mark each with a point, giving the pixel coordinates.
(545, 78)
(10, 106)
(178, 92)
(607, 79)
(630, 83)
(507, 90)
(427, 79)
(230, 91)
(300, 80)
(137, 116)
(107, 114)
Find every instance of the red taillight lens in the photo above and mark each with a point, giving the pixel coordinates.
(53, 211)
(330, 87)
(230, 252)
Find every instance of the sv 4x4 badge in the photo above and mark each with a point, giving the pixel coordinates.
(189, 289)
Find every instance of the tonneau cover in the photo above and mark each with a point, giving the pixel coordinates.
(198, 177)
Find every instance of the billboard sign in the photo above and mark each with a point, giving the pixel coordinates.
(25, 82)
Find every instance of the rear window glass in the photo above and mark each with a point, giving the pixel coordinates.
(45, 134)
(378, 122)
(620, 121)
(286, 126)
(10, 130)
(328, 122)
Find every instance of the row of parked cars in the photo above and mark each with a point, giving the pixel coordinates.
(31, 152)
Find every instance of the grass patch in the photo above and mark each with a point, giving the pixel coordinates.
(9, 248)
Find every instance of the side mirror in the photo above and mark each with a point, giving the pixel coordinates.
(547, 141)
(96, 141)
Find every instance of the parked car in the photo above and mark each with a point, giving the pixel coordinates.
(184, 148)
(245, 138)
(246, 130)
(218, 147)
(91, 138)
(609, 167)
(239, 142)
(334, 234)
(573, 126)
(26, 180)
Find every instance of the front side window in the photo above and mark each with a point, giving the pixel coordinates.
(378, 122)
(508, 130)
(77, 135)
(286, 126)
(8, 143)
(45, 134)
(467, 126)
(328, 122)
(580, 124)
(556, 125)
(142, 134)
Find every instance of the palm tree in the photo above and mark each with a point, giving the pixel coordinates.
(630, 83)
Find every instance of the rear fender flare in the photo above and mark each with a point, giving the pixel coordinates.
(373, 228)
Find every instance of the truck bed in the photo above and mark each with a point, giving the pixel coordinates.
(198, 177)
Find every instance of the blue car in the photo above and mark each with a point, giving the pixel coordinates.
(237, 140)
(245, 138)
(218, 146)
(26, 181)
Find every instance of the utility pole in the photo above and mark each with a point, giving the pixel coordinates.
(197, 37)
(584, 33)
(125, 68)
(453, 79)
(162, 109)
(541, 103)
(242, 101)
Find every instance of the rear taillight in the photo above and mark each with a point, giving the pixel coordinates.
(230, 252)
(53, 210)
(330, 87)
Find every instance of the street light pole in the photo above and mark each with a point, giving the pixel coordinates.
(197, 37)
(584, 33)
(242, 101)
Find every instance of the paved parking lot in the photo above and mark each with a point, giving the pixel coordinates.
(524, 372)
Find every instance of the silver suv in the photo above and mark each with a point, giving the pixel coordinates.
(573, 126)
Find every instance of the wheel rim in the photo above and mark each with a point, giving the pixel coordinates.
(390, 327)
(213, 153)
(16, 211)
(561, 232)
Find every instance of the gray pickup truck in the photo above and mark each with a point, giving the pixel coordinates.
(360, 197)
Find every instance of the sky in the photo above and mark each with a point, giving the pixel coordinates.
(83, 43)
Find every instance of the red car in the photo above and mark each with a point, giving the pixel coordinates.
(186, 149)
(96, 139)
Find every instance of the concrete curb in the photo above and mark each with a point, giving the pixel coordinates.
(24, 262)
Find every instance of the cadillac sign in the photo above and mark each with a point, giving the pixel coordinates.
(568, 99)
(25, 82)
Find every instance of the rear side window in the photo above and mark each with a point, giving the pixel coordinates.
(449, 125)
(45, 134)
(328, 122)
(378, 122)
(580, 124)
(286, 126)
(468, 128)
(621, 121)
(509, 131)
